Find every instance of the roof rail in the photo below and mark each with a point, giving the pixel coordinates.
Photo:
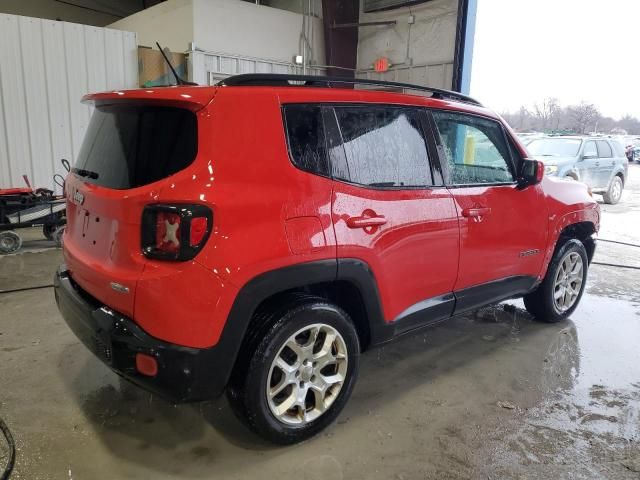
(284, 80)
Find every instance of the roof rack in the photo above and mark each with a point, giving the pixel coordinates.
(284, 80)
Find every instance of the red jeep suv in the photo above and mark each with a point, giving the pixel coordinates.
(256, 236)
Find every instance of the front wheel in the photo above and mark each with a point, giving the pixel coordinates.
(300, 374)
(561, 290)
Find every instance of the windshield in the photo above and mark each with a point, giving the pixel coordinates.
(554, 147)
(127, 146)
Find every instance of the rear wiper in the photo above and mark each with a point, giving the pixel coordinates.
(85, 173)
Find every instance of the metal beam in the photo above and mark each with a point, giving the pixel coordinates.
(364, 24)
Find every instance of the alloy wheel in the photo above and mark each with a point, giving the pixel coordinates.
(307, 374)
(568, 282)
(616, 189)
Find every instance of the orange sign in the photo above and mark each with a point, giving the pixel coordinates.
(381, 64)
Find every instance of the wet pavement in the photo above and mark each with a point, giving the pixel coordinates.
(489, 395)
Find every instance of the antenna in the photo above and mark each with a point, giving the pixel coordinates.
(179, 81)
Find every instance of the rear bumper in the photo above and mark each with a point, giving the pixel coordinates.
(184, 373)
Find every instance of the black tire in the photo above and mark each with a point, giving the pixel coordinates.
(614, 192)
(247, 392)
(48, 229)
(57, 235)
(10, 242)
(540, 303)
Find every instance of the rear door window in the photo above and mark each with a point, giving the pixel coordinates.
(604, 150)
(127, 146)
(384, 146)
(475, 149)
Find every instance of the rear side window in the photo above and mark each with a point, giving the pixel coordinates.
(604, 150)
(384, 146)
(618, 149)
(130, 146)
(474, 148)
(305, 134)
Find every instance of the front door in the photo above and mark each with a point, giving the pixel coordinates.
(503, 228)
(389, 213)
(589, 164)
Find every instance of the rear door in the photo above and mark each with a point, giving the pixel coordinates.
(607, 163)
(503, 228)
(389, 212)
(127, 150)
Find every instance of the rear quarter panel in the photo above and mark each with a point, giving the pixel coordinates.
(267, 213)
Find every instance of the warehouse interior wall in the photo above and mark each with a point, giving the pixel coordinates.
(243, 28)
(171, 23)
(88, 12)
(421, 52)
(227, 26)
(45, 69)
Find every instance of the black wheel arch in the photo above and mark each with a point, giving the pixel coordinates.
(348, 283)
(583, 231)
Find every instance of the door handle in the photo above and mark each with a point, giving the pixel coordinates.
(476, 212)
(366, 221)
(597, 164)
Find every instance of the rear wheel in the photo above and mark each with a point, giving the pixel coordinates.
(561, 290)
(614, 193)
(300, 373)
(9, 242)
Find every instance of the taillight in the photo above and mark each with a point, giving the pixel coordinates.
(175, 232)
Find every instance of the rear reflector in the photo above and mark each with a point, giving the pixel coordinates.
(146, 365)
(175, 232)
(198, 230)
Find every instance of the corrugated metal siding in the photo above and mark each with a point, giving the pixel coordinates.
(208, 68)
(45, 69)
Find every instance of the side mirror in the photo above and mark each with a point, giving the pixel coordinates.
(531, 173)
(588, 156)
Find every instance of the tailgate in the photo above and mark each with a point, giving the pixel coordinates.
(128, 150)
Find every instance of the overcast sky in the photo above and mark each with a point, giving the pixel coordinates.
(574, 50)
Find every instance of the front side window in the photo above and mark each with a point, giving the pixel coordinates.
(305, 134)
(604, 150)
(474, 148)
(384, 146)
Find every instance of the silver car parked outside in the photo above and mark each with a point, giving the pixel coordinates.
(597, 161)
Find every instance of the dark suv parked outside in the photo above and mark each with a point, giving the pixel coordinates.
(255, 237)
(599, 162)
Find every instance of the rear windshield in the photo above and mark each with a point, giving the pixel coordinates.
(133, 145)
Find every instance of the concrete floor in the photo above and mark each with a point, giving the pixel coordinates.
(427, 406)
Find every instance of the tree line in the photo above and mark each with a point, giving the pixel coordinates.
(549, 116)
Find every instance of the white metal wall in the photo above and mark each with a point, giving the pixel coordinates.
(45, 69)
(208, 68)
